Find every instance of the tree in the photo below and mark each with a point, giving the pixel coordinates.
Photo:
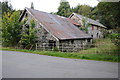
(32, 5)
(76, 9)
(29, 38)
(11, 29)
(84, 10)
(95, 14)
(64, 9)
(108, 14)
(5, 7)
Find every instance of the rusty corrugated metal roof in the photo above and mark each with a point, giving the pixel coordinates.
(89, 20)
(73, 22)
(61, 28)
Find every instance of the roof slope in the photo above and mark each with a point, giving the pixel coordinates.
(61, 28)
(89, 20)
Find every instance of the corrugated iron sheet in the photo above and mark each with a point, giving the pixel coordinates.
(73, 22)
(61, 28)
(91, 21)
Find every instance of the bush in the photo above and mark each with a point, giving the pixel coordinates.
(115, 37)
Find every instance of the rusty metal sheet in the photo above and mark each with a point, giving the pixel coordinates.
(61, 28)
(73, 22)
(91, 21)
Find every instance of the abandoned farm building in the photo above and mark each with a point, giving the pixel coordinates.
(55, 32)
(95, 29)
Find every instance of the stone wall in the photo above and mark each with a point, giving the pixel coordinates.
(74, 45)
(46, 41)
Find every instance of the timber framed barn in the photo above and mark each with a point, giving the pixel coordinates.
(55, 32)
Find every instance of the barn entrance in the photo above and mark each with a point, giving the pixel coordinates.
(52, 44)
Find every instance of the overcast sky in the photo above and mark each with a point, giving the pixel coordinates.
(48, 5)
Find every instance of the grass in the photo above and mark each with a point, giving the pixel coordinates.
(103, 50)
(102, 46)
(99, 57)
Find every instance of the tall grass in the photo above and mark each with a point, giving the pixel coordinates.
(102, 46)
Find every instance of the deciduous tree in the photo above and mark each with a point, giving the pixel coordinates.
(11, 28)
(84, 10)
(64, 8)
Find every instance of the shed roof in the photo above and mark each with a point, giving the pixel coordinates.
(89, 20)
(73, 22)
(61, 28)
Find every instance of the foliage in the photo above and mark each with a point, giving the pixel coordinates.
(28, 37)
(64, 9)
(11, 28)
(115, 37)
(85, 25)
(106, 46)
(5, 7)
(84, 10)
(108, 14)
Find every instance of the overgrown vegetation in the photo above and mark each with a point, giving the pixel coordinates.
(102, 46)
(100, 57)
(85, 25)
(28, 36)
(115, 37)
(11, 29)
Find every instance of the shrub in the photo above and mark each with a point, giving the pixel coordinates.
(115, 37)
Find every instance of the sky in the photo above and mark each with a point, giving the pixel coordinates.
(48, 5)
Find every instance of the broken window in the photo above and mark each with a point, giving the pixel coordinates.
(91, 35)
(97, 34)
